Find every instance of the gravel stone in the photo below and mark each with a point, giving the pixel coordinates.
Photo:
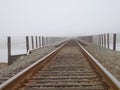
(24, 61)
(108, 58)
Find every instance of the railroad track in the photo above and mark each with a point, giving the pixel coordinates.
(66, 68)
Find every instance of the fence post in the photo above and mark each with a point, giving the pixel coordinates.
(114, 41)
(36, 42)
(32, 42)
(43, 41)
(27, 44)
(39, 42)
(102, 40)
(108, 40)
(46, 41)
(99, 42)
(9, 50)
(105, 40)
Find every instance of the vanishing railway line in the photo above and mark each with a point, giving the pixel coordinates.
(66, 68)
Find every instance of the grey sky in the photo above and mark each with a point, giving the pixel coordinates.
(59, 17)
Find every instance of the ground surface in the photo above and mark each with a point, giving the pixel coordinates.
(3, 65)
(108, 58)
(25, 61)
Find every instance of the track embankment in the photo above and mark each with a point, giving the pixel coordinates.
(66, 68)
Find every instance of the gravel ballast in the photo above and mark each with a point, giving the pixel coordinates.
(24, 61)
(108, 58)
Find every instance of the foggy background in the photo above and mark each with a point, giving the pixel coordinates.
(59, 17)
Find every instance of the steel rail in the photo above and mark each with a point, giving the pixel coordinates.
(113, 83)
(14, 81)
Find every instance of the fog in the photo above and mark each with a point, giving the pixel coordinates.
(59, 17)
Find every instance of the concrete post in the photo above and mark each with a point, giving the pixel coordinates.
(9, 50)
(39, 41)
(108, 41)
(27, 43)
(105, 40)
(114, 41)
(36, 42)
(32, 42)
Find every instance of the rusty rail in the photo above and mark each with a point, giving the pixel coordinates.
(14, 81)
(113, 83)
